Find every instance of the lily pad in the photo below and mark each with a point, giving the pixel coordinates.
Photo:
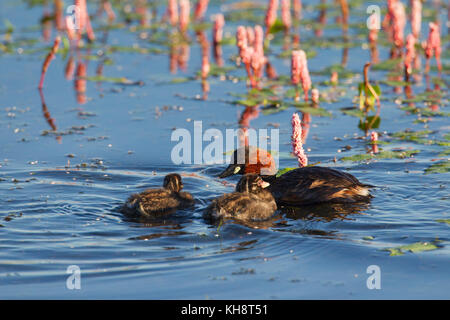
(415, 248)
(381, 155)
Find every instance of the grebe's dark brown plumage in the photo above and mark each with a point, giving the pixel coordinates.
(156, 202)
(312, 185)
(250, 201)
(307, 185)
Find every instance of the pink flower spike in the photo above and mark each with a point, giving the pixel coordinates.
(410, 53)
(241, 38)
(259, 40)
(416, 17)
(271, 15)
(434, 44)
(298, 9)
(304, 74)
(286, 14)
(250, 36)
(219, 22)
(315, 95)
(185, 11)
(297, 143)
(374, 139)
(399, 23)
(200, 9)
(295, 67)
(172, 11)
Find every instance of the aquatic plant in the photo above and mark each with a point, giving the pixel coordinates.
(286, 14)
(433, 46)
(271, 15)
(297, 143)
(200, 9)
(48, 59)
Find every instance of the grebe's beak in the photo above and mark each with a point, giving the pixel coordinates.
(232, 169)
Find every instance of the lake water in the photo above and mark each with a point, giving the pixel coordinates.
(66, 166)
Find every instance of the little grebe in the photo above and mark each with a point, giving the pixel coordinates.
(156, 202)
(250, 201)
(305, 185)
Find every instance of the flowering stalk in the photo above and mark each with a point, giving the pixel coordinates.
(70, 69)
(298, 9)
(433, 45)
(172, 11)
(48, 59)
(297, 143)
(416, 17)
(80, 82)
(219, 22)
(271, 15)
(200, 9)
(315, 95)
(286, 14)
(295, 70)
(185, 11)
(410, 54)
(374, 139)
(84, 20)
(304, 74)
(399, 23)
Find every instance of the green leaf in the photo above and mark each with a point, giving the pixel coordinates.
(440, 167)
(381, 155)
(415, 248)
(447, 221)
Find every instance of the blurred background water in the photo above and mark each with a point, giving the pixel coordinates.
(68, 159)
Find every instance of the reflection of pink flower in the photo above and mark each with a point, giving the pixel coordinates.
(250, 36)
(315, 95)
(374, 139)
(297, 144)
(298, 9)
(286, 13)
(172, 10)
(295, 67)
(185, 11)
(304, 73)
(416, 17)
(50, 56)
(271, 14)
(219, 22)
(434, 44)
(200, 9)
(410, 52)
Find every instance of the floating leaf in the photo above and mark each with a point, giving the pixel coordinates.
(381, 155)
(440, 167)
(283, 171)
(415, 247)
(447, 221)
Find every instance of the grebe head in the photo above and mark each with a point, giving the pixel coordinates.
(250, 159)
(251, 183)
(173, 182)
